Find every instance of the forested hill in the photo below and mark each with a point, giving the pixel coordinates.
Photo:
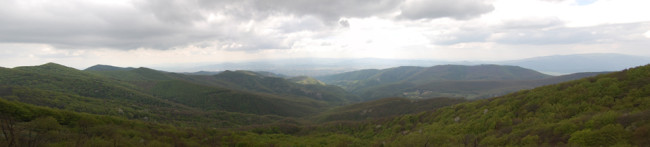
(245, 81)
(606, 110)
(269, 83)
(437, 73)
(147, 94)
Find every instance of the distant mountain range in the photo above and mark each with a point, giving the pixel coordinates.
(556, 64)
(472, 82)
(307, 66)
(566, 64)
(478, 81)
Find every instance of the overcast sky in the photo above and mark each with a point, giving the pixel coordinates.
(82, 33)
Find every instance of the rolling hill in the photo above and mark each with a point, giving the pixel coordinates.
(252, 81)
(147, 94)
(246, 81)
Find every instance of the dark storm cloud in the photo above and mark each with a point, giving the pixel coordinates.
(457, 9)
(166, 24)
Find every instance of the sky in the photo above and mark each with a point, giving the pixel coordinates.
(82, 33)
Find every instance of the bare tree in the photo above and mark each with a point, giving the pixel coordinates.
(8, 126)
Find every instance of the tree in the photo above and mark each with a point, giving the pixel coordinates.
(608, 135)
(39, 130)
(8, 126)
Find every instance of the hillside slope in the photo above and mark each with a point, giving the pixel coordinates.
(606, 110)
(384, 108)
(147, 94)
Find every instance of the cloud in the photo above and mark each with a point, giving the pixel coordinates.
(225, 24)
(540, 31)
(88, 24)
(166, 24)
(475, 31)
(173, 11)
(328, 10)
(457, 9)
(78, 24)
(647, 34)
(253, 26)
(344, 23)
(460, 35)
(615, 33)
(531, 23)
(544, 37)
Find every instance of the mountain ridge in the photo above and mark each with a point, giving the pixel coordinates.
(412, 81)
(566, 64)
(102, 67)
(316, 67)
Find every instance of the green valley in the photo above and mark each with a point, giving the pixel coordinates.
(54, 105)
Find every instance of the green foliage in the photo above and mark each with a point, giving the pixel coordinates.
(40, 126)
(306, 80)
(609, 135)
(606, 110)
(378, 108)
(530, 140)
(212, 98)
(602, 119)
